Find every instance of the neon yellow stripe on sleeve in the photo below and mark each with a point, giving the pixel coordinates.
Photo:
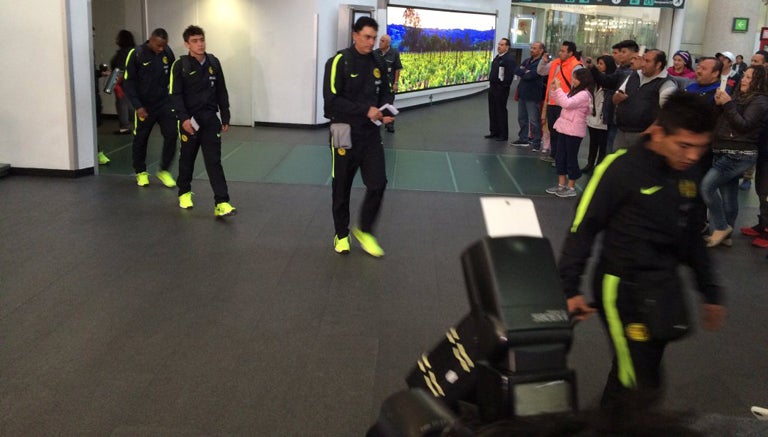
(589, 192)
(333, 72)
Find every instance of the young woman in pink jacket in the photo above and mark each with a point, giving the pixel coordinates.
(572, 128)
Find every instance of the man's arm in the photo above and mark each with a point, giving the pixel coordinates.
(222, 97)
(600, 201)
(176, 89)
(335, 103)
(509, 67)
(667, 89)
(130, 78)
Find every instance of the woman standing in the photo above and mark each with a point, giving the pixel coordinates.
(735, 150)
(571, 127)
(600, 118)
(125, 44)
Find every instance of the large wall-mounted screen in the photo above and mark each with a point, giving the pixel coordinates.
(440, 48)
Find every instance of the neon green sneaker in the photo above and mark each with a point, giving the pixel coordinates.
(142, 179)
(185, 200)
(166, 178)
(103, 159)
(224, 209)
(341, 245)
(368, 243)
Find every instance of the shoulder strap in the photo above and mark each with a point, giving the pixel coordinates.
(214, 62)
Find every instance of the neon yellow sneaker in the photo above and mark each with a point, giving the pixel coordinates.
(166, 178)
(224, 209)
(142, 179)
(368, 243)
(185, 200)
(103, 159)
(341, 245)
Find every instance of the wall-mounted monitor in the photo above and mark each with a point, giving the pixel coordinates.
(440, 48)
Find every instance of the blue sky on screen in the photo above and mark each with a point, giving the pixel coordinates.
(431, 19)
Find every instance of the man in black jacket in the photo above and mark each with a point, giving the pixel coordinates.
(198, 91)
(147, 73)
(355, 87)
(645, 201)
(502, 73)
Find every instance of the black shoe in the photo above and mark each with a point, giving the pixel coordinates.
(390, 129)
(520, 143)
(502, 138)
(490, 136)
(122, 132)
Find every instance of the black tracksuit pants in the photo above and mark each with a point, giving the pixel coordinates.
(367, 155)
(141, 130)
(207, 138)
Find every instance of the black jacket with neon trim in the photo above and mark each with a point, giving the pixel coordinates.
(198, 88)
(352, 84)
(651, 217)
(146, 76)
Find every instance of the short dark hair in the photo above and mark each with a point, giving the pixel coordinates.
(161, 33)
(627, 44)
(571, 46)
(192, 31)
(687, 111)
(762, 53)
(365, 22)
(718, 63)
(506, 41)
(661, 57)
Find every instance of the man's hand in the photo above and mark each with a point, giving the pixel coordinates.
(619, 96)
(374, 113)
(187, 126)
(142, 113)
(388, 119)
(394, 88)
(578, 308)
(224, 127)
(712, 316)
(556, 84)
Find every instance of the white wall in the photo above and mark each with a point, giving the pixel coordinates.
(40, 94)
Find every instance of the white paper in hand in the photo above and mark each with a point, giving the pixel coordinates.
(510, 216)
(386, 107)
(194, 124)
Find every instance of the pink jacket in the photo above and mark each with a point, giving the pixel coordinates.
(573, 118)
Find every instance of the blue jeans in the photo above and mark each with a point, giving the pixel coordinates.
(720, 188)
(529, 112)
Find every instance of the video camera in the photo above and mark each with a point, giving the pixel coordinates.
(506, 358)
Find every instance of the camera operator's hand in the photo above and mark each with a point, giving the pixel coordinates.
(578, 308)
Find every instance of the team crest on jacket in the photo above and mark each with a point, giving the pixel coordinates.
(210, 70)
(165, 60)
(637, 332)
(687, 188)
(184, 138)
(376, 73)
(342, 152)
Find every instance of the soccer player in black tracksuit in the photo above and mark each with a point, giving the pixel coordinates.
(198, 91)
(355, 86)
(147, 72)
(645, 200)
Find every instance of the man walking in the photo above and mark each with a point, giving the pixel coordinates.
(646, 203)
(147, 74)
(502, 73)
(198, 91)
(355, 87)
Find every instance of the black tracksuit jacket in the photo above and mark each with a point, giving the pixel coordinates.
(146, 76)
(651, 216)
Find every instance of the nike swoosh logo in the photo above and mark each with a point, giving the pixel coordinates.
(651, 190)
(354, 75)
(146, 63)
(192, 73)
